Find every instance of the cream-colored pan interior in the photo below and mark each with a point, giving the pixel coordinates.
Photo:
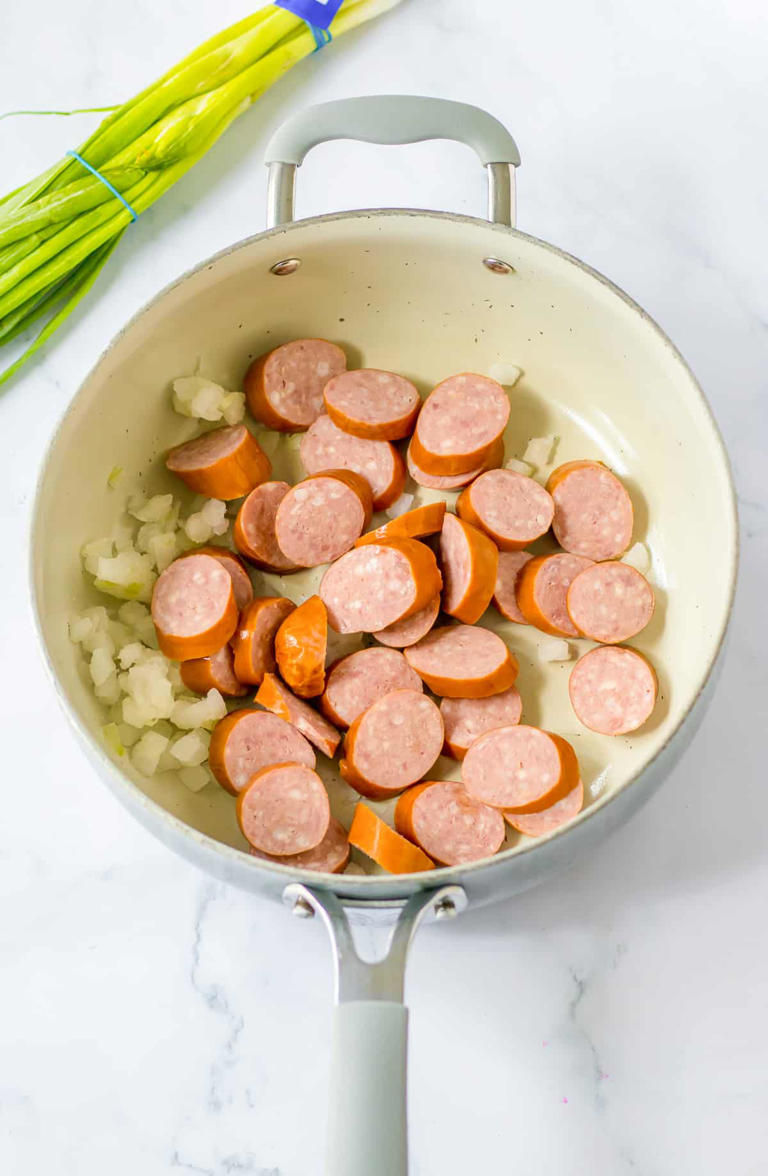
(410, 292)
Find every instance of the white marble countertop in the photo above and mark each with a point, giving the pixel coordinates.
(612, 1021)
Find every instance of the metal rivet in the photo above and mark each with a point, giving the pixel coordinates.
(302, 909)
(288, 265)
(445, 908)
(498, 266)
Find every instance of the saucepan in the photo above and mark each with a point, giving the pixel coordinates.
(426, 294)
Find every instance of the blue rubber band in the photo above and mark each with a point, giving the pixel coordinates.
(105, 182)
(322, 37)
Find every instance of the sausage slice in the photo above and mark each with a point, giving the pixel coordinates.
(466, 719)
(414, 524)
(610, 602)
(253, 643)
(300, 647)
(613, 689)
(254, 529)
(511, 563)
(549, 819)
(593, 511)
(284, 810)
(542, 589)
(284, 388)
(225, 463)
(241, 581)
(444, 820)
(331, 856)
(326, 447)
(510, 507)
(402, 633)
(493, 458)
(459, 421)
(216, 672)
(521, 768)
(378, 405)
(320, 518)
(469, 561)
(357, 681)
(373, 586)
(247, 740)
(383, 845)
(276, 697)
(193, 607)
(392, 744)
(463, 661)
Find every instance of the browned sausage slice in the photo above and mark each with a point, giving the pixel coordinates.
(392, 744)
(459, 421)
(320, 518)
(549, 819)
(593, 511)
(327, 447)
(357, 681)
(468, 561)
(466, 719)
(284, 388)
(276, 697)
(380, 406)
(493, 458)
(373, 586)
(193, 607)
(300, 648)
(402, 633)
(610, 602)
(254, 530)
(331, 856)
(542, 589)
(225, 463)
(510, 507)
(216, 672)
(444, 820)
(511, 564)
(253, 643)
(613, 689)
(247, 740)
(521, 768)
(284, 810)
(463, 661)
(414, 524)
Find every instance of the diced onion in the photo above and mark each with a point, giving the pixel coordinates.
(505, 373)
(191, 749)
(540, 450)
(638, 557)
(145, 755)
(519, 467)
(554, 649)
(194, 778)
(200, 712)
(403, 504)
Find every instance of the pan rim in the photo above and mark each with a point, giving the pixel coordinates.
(377, 884)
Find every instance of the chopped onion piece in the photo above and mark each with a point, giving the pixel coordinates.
(540, 450)
(101, 666)
(115, 474)
(553, 649)
(200, 712)
(92, 552)
(151, 510)
(145, 756)
(194, 778)
(403, 504)
(191, 749)
(638, 557)
(111, 733)
(519, 467)
(109, 691)
(505, 373)
(233, 407)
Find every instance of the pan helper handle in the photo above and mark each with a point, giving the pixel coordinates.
(367, 1126)
(392, 118)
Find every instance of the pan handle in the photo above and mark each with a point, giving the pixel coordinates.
(392, 118)
(367, 1128)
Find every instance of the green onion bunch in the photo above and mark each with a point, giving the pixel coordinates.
(57, 231)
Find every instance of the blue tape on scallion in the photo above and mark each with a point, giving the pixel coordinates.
(317, 13)
(89, 167)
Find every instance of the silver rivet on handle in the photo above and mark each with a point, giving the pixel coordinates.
(288, 265)
(302, 909)
(497, 266)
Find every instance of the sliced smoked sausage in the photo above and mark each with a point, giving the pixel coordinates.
(254, 529)
(284, 388)
(613, 689)
(459, 421)
(510, 507)
(468, 561)
(241, 581)
(448, 824)
(466, 719)
(493, 459)
(392, 744)
(414, 524)
(327, 447)
(216, 672)
(275, 696)
(193, 607)
(549, 819)
(377, 405)
(225, 463)
(253, 643)
(593, 511)
(463, 661)
(247, 740)
(521, 768)
(412, 629)
(300, 648)
(610, 602)
(383, 845)
(542, 588)
(284, 810)
(376, 585)
(320, 518)
(511, 563)
(331, 856)
(357, 681)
